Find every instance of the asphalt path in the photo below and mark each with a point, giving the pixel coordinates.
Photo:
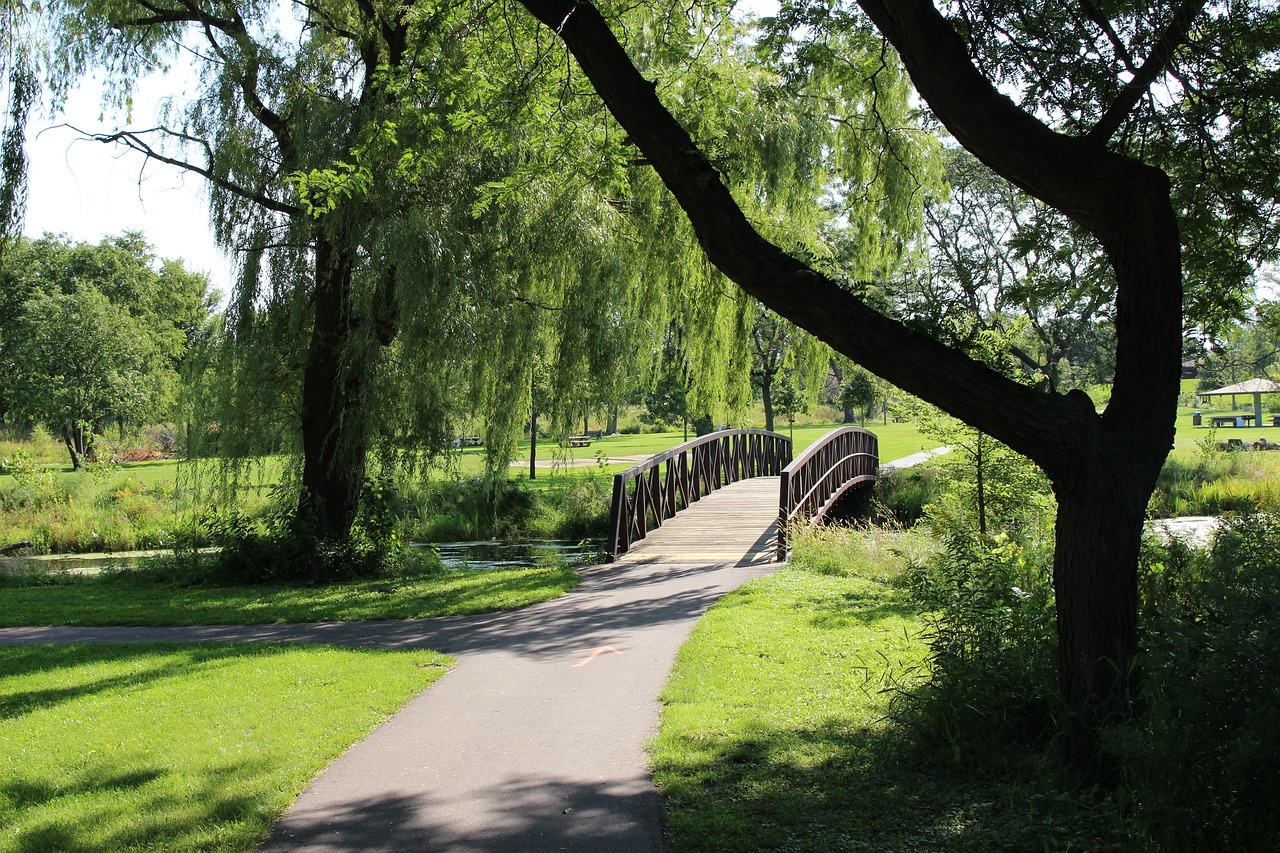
(534, 741)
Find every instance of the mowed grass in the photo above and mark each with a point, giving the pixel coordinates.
(772, 726)
(896, 440)
(179, 748)
(776, 735)
(122, 599)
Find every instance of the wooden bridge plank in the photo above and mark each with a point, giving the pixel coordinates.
(736, 524)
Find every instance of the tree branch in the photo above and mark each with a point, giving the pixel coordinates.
(1173, 37)
(133, 140)
(972, 391)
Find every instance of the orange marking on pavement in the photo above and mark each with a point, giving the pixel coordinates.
(595, 653)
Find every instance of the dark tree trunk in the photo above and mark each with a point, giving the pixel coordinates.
(1099, 530)
(1102, 467)
(72, 446)
(533, 426)
(766, 397)
(333, 385)
(612, 427)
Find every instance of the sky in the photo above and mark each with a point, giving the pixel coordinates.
(88, 190)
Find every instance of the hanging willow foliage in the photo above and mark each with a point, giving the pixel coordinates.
(430, 208)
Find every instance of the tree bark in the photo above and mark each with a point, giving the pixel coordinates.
(1102, 467)
(71, 447)
(333, 386)
(533, 424)
(766, 397)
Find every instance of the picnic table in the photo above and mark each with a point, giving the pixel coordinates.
(1231, 420)
(579, 441)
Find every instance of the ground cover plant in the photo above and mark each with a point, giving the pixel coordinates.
(147, 597)
(179, 747)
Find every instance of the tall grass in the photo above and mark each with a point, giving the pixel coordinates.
(1213, 482)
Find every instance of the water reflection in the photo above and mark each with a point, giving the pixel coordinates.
(496, 554)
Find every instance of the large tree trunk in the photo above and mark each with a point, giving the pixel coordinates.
(333, 386)
(1103, 467)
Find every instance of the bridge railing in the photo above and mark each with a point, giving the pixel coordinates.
(812, 483)
(647, 494)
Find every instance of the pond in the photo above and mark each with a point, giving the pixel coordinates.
(497, 554)
(468, 556)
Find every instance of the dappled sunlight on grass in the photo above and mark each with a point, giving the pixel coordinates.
(165, 747)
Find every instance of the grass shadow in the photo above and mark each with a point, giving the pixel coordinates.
(833, 787)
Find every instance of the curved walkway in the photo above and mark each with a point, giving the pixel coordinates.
(534, 741)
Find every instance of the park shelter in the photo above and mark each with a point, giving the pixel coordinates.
(1256, 387)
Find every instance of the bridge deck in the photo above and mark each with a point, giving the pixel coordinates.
(734, 525)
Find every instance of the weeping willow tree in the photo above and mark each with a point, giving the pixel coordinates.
(424, 199)
(17, 76)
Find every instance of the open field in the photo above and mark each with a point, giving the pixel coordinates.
(142, 505)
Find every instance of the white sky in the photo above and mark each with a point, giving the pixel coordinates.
(87, 190)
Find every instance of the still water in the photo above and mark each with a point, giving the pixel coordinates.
(496, 554)
(461, 556)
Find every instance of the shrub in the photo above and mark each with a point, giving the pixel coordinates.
(991, 634)
(881, 553)
(1199, 767)
(900, 497)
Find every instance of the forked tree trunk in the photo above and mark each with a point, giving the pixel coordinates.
(69, 440)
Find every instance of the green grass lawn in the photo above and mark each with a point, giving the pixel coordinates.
(774, 733)
(1189, 435)
(179, 748)
(125, 599)
(896, 439)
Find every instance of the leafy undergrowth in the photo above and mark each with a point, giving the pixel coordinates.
(134, 598)
(179, 748)
(776, 732)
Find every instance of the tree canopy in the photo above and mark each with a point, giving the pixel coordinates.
(1071, 137)
(92, 335)
(424, 199)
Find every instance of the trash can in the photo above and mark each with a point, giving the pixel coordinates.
(1195, 419)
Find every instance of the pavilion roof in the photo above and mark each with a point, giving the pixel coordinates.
(1249, 386)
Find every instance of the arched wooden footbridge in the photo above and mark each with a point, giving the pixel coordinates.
(731, 496)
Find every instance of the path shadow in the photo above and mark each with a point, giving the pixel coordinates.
(611, 599)
(548, 816)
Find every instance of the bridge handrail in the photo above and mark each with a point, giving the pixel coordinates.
(811, 484)
(694, 469)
